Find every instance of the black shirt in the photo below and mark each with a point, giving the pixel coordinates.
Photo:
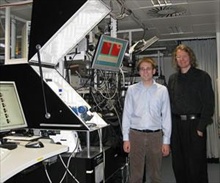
(192, 93)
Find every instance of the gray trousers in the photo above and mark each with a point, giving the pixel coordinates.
(146, 150)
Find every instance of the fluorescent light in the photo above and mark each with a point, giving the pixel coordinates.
(2, 45)
(72, 32)
(161, 2)
(175, 30)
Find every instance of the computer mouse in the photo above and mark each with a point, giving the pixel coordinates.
(109, 114)
(91, 125)
(34, 144)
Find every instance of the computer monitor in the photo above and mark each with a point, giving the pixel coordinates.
(11, 112)
(29, 87)
(109, 53)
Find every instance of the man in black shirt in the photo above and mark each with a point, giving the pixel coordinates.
(192, 106)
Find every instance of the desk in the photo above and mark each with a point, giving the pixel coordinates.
(22, 157)
(84, 169)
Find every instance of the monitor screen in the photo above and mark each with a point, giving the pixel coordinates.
(109, 53)
(11, 112)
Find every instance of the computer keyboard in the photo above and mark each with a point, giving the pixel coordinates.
(22, 138)
(4, 153)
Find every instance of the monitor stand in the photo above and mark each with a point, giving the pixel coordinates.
(7, 145)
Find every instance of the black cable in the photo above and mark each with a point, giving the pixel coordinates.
(47, 115)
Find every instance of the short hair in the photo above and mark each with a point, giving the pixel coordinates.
(147, 60)
(188, 50)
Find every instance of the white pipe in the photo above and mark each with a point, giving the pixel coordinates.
(159, 62)
(7, 34)
(14, 17)
(113, 28)
(218, 70)
(13, 39)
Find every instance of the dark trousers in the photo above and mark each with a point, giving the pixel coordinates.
(188, 150)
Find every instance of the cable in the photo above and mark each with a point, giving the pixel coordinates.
(67, 169)
(97, 104)
(121, 15)
(127, 165)
(126, 11)
(123, 76)
(105, 87)
(66, 166)
(47, 174)
(103, 152)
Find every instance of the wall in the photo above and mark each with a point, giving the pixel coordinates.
(168, 68)
(218, 70)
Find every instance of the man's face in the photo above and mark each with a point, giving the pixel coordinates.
(183, 59)
(146, 71)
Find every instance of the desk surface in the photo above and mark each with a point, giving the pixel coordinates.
(22, 157)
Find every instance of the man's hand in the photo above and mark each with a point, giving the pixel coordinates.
(126, 146)
(200, 133)
(165, 149)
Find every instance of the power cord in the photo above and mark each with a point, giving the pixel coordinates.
(66, 166)
(47, 174)
(67, 169)
(127, 165)
(103, 152)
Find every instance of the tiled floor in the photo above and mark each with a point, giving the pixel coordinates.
(167, 173)
(168, 176)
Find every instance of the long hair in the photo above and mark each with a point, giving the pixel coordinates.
(193, 60)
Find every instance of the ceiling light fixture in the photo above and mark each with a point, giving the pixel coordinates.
(161, 2)
(175, 30)
(166, 11)
(2, 45)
